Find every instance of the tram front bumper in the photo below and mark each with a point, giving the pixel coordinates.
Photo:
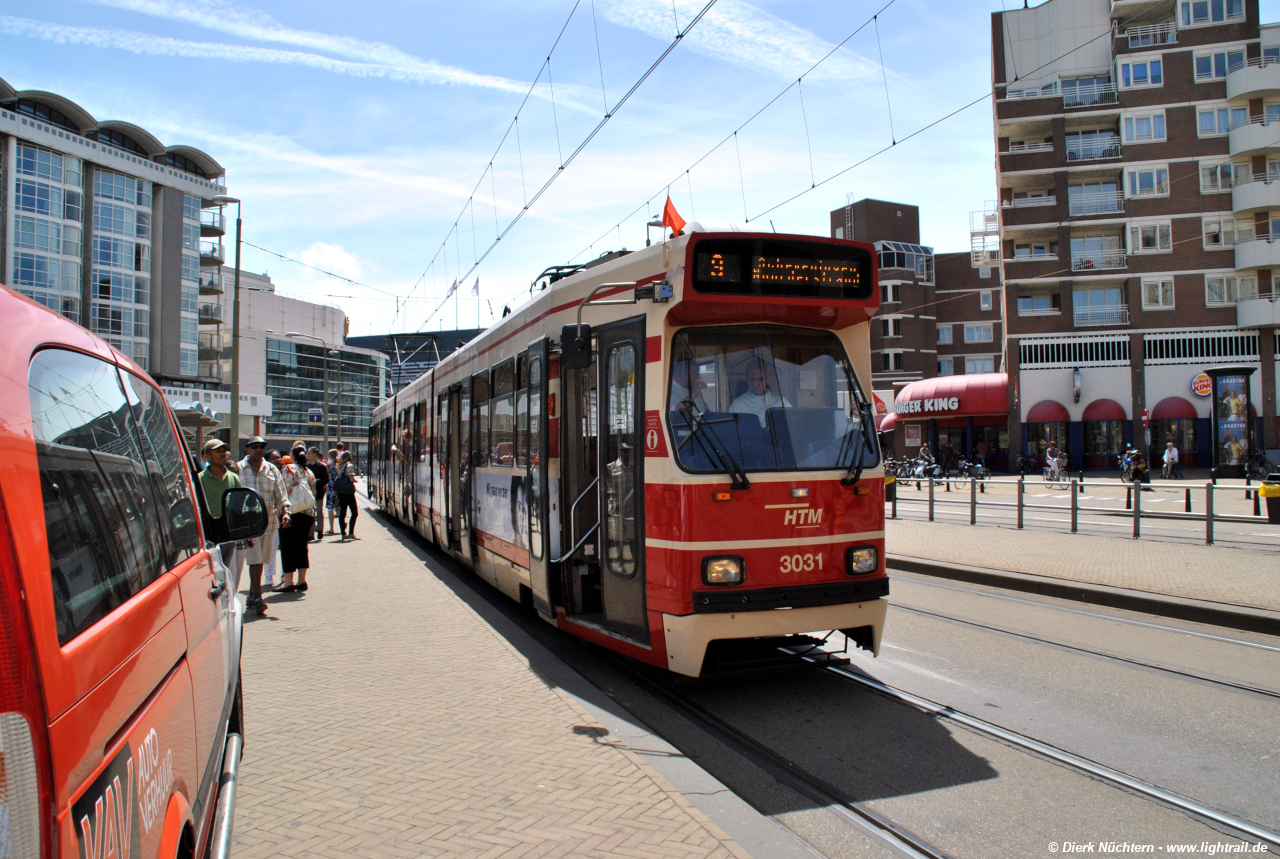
(687, 636)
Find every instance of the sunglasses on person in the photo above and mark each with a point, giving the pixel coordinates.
(255, 447)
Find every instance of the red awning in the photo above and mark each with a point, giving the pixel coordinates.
(885, 423)
(954, 396)
(1102, 410)
(1173, 407)
(1046, 411)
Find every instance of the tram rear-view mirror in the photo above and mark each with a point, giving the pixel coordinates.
(575, 347)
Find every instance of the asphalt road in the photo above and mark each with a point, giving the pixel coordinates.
(1188, 726)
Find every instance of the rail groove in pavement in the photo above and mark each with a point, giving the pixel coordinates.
(1084, 765)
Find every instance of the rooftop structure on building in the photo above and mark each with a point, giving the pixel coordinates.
(412, 354)
(112, 228)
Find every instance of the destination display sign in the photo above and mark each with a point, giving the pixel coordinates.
(782, 268)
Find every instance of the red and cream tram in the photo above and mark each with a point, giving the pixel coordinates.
(666, 449)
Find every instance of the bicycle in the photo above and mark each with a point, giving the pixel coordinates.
(1257, 467)
(1056, 477)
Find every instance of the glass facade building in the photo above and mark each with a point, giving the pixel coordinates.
(358, 382)
(120, 286)
(47, 190)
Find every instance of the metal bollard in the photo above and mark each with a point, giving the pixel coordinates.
(930, 499)
(1188, 499)
(1208, 514)
(973, 502)
(1075, 510)
(1257, 505)
(1128, 498)
(893, 509)
(1137, 513)
(1022, 484)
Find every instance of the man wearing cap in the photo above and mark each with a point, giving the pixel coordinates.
(216, 479)
(265, 479)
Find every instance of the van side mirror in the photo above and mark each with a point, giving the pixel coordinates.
(244, 513)
(182, 524)
(575, 347)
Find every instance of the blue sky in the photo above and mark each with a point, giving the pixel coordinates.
(355, 133)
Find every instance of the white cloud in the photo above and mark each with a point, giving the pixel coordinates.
(333, 258)
(739, 33)
(424, 72)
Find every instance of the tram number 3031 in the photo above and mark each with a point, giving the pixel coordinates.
(800, 563)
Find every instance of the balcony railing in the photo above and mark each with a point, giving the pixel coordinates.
(1095, 203)
(211, 370)
(1114, 314)
(1094, 260)
(211, 313)
(1015, 148)
(1083, 96)
(1026, 202)
(210, 341)
(1017, 258)
(1094, 150)
(211, 283)
(213, 251)
(1017, 94)
(1264, 119)
(1039, 311)
(1159, 189)
(212, 223)
(1149, 35)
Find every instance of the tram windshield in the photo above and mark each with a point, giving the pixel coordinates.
(770, 398)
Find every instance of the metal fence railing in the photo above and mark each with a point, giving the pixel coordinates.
(1198, 501)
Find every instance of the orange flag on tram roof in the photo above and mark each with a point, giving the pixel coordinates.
(671, 218)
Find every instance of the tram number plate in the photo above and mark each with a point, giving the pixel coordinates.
(800, 563)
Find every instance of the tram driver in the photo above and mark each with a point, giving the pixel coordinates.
(759, 396)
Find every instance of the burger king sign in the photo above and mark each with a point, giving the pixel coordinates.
(1202, 385)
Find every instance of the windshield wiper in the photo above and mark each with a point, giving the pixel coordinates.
(710, 443)
(854, 474)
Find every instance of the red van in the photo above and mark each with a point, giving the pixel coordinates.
(120, 707)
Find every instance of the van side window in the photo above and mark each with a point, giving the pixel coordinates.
(164, 460)
(104, 541)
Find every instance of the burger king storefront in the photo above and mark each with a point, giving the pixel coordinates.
(966, 414)
(1090, 414)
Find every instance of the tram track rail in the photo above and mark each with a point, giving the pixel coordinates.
(898, 839)
(1220, 820)
(1137, 663)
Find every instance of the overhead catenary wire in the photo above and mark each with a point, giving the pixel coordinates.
(679, 37)
(648, 201)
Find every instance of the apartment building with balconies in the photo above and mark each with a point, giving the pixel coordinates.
(101, 222)
(1138, 148)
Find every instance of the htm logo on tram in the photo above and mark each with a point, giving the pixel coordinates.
(802, 517)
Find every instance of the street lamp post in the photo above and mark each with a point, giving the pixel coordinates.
(222, 200)
(324, 417)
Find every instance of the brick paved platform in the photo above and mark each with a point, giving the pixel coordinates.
(384, 717)
(1215, 574)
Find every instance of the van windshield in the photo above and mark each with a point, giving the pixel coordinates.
(770, 397)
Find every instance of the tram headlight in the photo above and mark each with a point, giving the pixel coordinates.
(860, 560)
(723, 570)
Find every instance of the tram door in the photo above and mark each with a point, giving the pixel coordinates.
(533, 402)
(620, 362)
(459, 469)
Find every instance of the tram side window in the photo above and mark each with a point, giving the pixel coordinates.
(104, 543)
(537, 397)
(442, 431)
(480, 420)
(502, 416)
(163, 455)
(522, 412)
